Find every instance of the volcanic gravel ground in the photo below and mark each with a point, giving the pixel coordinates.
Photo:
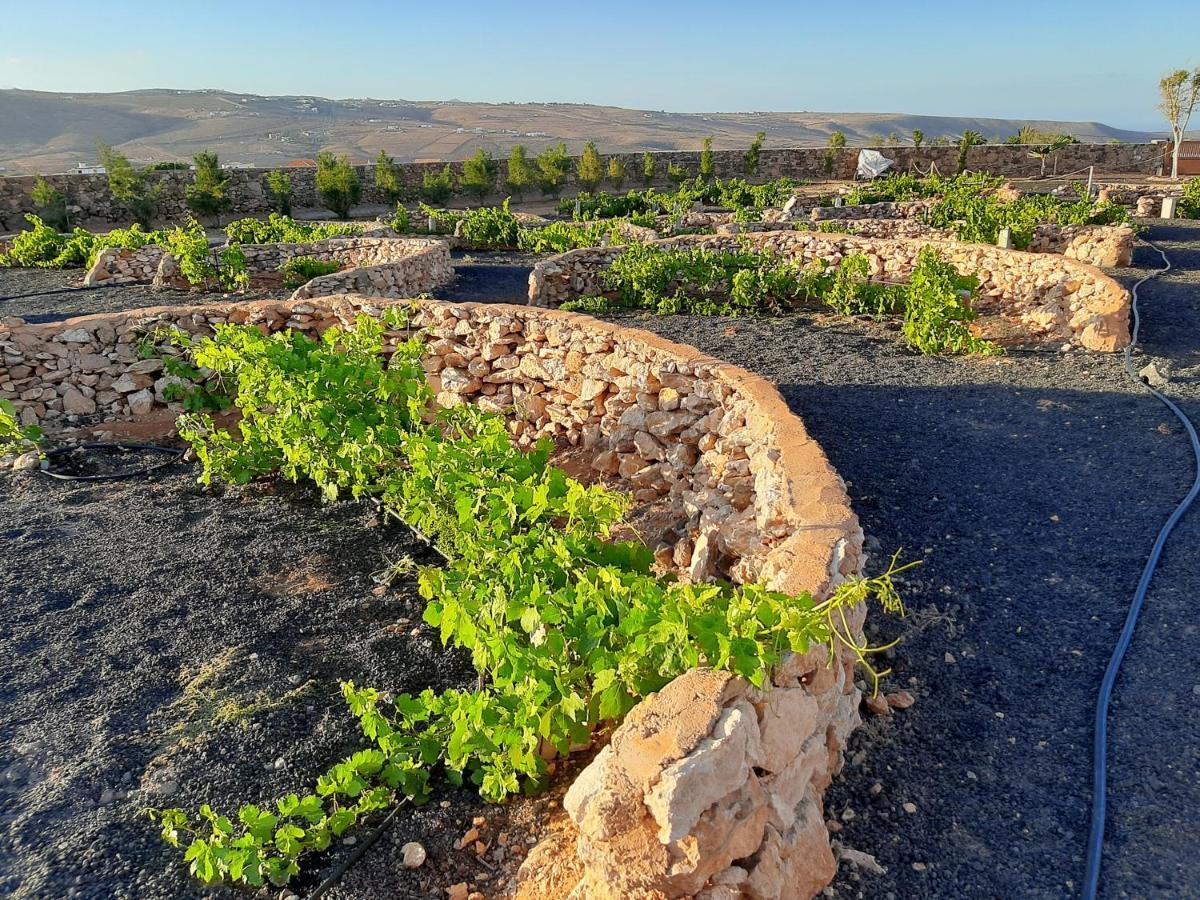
(164, 645)
(488, 277)
(1032, 486)
(55, 294)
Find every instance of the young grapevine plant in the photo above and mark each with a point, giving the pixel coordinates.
(568, 627)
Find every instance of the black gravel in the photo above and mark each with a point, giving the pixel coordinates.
(51, 295)
(1032, 486)
(489, 277)
(161, 645)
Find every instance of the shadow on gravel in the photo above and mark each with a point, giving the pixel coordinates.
(1034, 510)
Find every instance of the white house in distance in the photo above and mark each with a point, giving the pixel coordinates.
(90, 169)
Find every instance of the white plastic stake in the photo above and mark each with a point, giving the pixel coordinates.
(1004, 238)
(1091, 171)
(1168, 207)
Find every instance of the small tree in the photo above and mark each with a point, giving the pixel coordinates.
(553, 164)
(750, 158)
(918, 138)
(1180, 92)
(968, 140)
(479, 174)
(279, 183)
(127, 185)
(590, 171)
(521, 174)
(707, 169)
(387, 177)
(206, 194)
(616, 171)
(677, 175)
(51, 204)
(337, 183)
(837, 140)
(648, 166)
(436, 187)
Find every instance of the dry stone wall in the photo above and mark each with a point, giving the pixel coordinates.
(375, 266)
(1049, 297)
(89, 197)
(710, 786)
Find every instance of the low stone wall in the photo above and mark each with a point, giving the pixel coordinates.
(1050, 297)
(888, 209)
(709, 782)
(376, 266)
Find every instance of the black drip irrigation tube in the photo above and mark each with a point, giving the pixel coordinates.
(172, 454)
(1091, 884)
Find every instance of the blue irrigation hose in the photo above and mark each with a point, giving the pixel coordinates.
(1091, 882)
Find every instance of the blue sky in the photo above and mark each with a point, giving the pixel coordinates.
(1052, 59)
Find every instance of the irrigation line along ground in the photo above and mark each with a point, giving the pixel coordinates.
(1100, 744)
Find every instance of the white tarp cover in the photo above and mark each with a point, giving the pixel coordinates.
(872, 163)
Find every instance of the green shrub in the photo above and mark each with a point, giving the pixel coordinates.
(521, 174)
(277, 229)
(387, 177)
(707, 169)
(493, 227)
(750, 159)
(399, 221)
(337, 184)
(128, 186)
(51, 203)
(588, 629)
(479, 174)
(648, 167)
(302, 269)
(677, 175)
(206, 195)
(559, 237)
(171, 166)
(616, 171)
(437, 187)
(591, 168)
(279, 183)
(1189, 205)
(553, 164)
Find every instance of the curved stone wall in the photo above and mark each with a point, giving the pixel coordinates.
(709, 772)
(1048, 297)
(377, 266)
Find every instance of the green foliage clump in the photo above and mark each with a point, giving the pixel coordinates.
(301, 269)
(648, 167)
(707, 167)
(279, 183)
(568, 628)
(337, 183)
(387, 177)
(43, 247)
(437, 187)
(400, 221)
(51, 204)
(750, 159)
(188, 243)
(479, 174)
(129, 186)
(13, 437)
(553, 165)
(279, 229)
(559, 237)
(968, 140)
(1189, 204)
(206, 196)
(521, 173)
(168, 166)
(492, 227)
(677, 175)
(591, 168)
(616, 171)
(918, 138)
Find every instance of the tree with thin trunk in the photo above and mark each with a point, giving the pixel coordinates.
(1180, 92)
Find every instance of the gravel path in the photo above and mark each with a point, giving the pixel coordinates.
(1032, 486)
(164, 646)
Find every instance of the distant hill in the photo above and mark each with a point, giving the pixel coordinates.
(51, 132)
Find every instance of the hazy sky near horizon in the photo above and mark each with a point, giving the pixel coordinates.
(1054, 59)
